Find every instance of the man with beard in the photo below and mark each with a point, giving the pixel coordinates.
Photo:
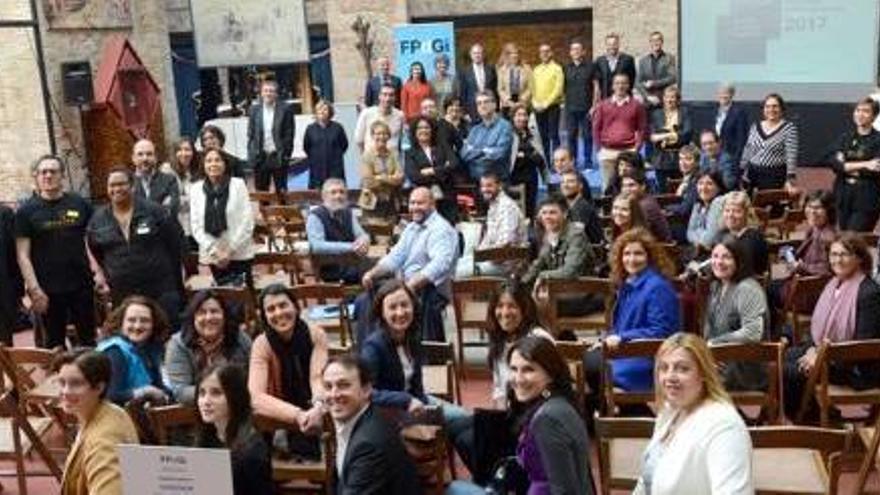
(580, 209)
(136, 247)
(424, 258)
(505, 224)
(150, 183)
(333, 229)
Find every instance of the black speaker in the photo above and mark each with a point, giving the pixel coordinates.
(76, 81)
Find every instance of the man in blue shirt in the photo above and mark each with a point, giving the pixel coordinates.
(714, 156)
(424, 258)
(333, 229)
(488, 143)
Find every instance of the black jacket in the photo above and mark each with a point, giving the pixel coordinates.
(11, 287)
(467, 87)
(390, 388)
(252, 466)
(442, 160)
(626, 64)
(164, 191)
(665, 156)
(376, 462)
(148, 263)
(374, 87)
(582, 211)
(283, 130)
(325, 149)
(734, 130)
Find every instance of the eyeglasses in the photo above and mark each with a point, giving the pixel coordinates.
(839, 255)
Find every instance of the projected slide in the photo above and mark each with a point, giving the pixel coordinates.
(806, 49)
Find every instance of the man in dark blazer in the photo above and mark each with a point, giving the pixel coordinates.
(731, 122)
(475, 77)
(370, 457)
(271, 128)
(382, 78)
(656, 71)
(612, 63)
(150, 183)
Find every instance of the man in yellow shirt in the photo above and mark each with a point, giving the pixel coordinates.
(547, 84)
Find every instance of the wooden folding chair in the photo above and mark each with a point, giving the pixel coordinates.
(594, 323)
(380, 233)
(845, 355)
(573, 353)
(439, 371)
(470, 302)
(286, 223)
(797, 459)
(769, 354)
(801, 300)
(272, 267)
(15, 420)
(243, 299)
(302, 197)
(285, 470)
(167, 420)
(36, 384)
(622, 443)
(614, 396)
(333, 296)
(517, 257)
(870, 437)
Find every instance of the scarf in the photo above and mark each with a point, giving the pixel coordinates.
(295, 356)
(834, 318)
(814, 250)
(216, 198)
(208, 352)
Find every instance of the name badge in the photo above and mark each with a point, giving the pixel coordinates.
(143, 229)
(72, 214)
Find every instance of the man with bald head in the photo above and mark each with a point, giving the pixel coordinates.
(150, 183)
(424, 258)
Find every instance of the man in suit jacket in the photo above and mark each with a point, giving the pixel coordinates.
(271, 128)
(370, 457)
(382, 78)
(731, 122)
(150, 183)
(612, 63)
(656, 71)
(477, 76)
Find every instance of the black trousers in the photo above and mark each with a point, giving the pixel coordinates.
(270, 169)
(548, 127)
(77, 307)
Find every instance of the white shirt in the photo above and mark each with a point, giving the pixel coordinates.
(238, 236)
(268, 121)
(343, 435)
(612, 61)
(371, 114)
(480, 76)
(405, 363)
(719, 119)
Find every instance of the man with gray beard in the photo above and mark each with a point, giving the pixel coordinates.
(333, 229)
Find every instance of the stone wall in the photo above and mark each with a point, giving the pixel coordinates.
(149, 37)
(450, 8)
(634, 20)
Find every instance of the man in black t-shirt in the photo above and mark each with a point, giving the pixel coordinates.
(50, 232)
(580, 90)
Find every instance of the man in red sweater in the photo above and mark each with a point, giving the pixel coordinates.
(619, 124)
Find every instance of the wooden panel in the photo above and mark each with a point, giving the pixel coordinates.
(527, 35)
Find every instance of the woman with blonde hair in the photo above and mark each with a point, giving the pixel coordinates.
(700, 442)
(514, 79)
(735, 221)
(647, 308)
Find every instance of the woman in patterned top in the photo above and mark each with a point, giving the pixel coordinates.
(771, 153)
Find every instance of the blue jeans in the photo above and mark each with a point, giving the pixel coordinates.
(459, 426)
(459, 487)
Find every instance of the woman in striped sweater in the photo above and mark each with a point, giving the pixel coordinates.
(771, 153)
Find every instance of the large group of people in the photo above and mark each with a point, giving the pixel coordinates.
(627, 118)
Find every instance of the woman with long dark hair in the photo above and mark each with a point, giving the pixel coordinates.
(414, 90)
(210, 336)
(553, 446)
(284, 378)
(512, 316)
(223, 222)
(226, 421)
(213, 137)
(185, 166)
(430, 163)
(527, 159)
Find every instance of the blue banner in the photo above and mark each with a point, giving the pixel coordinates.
(422, 43)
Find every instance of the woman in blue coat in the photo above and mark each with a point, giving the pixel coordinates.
(647, 308)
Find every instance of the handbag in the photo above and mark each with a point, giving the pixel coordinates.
(508, 478)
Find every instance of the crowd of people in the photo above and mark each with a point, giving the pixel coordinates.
(624, 117)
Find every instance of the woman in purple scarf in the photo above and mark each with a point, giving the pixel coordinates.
(848, 309)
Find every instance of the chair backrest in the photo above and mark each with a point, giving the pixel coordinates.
(164, 419)
(769, 197)
(573, 353)
(517, 255)
(639, 348)
(325, 293)
(440, 372)
(464, 293)
(380, 233)
(559, 288)
(242, 299)
(828, 445)
(767, 353)
(621, 444)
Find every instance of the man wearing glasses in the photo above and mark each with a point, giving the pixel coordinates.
(488, 143)
(50, 229)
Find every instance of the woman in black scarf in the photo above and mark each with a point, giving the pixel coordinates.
(223, 222)
(284, 377)
(527, 162)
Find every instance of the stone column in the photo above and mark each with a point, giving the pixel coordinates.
(349, 76)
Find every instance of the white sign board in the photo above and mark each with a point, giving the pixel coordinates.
(158, 470)
(250, 32)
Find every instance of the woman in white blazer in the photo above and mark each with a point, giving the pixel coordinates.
(700, 443)
(222, 222)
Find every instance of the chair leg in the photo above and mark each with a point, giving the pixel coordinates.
(870, 457)
(459, 350)
(19, 460)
